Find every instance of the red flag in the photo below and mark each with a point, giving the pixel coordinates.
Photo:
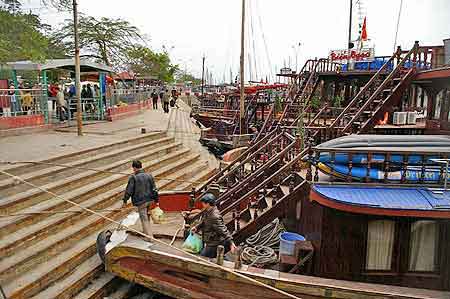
(364, 31)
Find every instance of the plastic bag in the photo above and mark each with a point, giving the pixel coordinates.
(157, 215)
(193, 243)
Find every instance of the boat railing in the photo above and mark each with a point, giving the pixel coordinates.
(274, 154)
(324, 116)
(390, 165)
(218, 176)
(217, 111)
(304, 94)
(268, 198)
(427, 57)
(254, 160)
(363, 91)
(267, 121)
(410, 57)
(278, 159)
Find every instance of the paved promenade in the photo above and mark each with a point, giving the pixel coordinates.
(43, 145)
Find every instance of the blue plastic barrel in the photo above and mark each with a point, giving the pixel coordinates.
(287, 242)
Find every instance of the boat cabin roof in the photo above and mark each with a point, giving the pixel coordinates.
(384, 200)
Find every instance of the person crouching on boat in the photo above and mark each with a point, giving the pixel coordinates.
(142, 190)
(214, 231)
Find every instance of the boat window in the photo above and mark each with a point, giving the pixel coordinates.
(380, 244)
(423, 246)
(448, 102)
(438, 105)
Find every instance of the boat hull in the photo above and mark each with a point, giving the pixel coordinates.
(168, 271)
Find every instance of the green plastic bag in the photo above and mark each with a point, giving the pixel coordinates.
(193, 243)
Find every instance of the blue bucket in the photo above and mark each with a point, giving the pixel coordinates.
(287, 242)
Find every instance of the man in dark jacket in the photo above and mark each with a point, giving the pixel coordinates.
(142, 190)
(154, 97)
(213, 228)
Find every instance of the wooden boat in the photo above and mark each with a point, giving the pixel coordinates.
(172, 272)
(168, 271)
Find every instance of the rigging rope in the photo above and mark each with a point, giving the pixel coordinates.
(253, 41)
(112, 221)
(398, 24)
(265, 43)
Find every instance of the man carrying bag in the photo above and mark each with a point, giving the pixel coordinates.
(142, 190)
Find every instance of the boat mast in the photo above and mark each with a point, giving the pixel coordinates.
(203, 73)
(241, 107)
(350, 33)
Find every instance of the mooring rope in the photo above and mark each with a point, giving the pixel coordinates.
(268, 236)
(242, 276)
(259, 250)
(259, 256)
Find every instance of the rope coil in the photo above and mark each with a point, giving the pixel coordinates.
(260, 248)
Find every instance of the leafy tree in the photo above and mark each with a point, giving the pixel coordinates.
(145, 62)
(23, 36)
(12, 6)
(182, 76)
(107, 39)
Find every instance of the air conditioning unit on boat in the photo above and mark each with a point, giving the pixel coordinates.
(412, 118)
(400, 118)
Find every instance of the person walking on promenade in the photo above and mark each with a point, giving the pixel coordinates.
(214, 230)
(61, 105)
(154, 97)
(142, 190)
(166, 100)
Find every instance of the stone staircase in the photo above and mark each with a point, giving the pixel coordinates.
(47, 245)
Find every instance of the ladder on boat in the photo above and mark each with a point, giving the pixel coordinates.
(379, 96)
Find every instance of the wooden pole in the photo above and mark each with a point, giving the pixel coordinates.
(242, 99)
(349, 33)
(203, 72)
(77, 69)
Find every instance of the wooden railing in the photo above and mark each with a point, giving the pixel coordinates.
(201, 190)
(266, 124)
(363, 91)
(393, 166)
(227, 207)
(380, 88)
(287, 150)
(268, 149)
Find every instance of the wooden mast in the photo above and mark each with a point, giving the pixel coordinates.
(349, 45)
(242, 98)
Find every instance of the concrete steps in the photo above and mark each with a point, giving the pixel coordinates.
(20, 170)
(13, 223)
(47, 245)
(44, 176)
(30, 197)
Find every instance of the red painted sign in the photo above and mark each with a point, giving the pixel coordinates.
(355, 55)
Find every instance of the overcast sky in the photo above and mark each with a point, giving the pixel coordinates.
(191, 28)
